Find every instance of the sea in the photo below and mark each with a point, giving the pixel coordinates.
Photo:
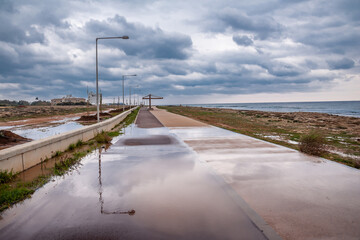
(342, 108)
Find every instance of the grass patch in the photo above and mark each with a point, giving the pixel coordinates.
(6, 176)
(131, 117)
(113, 134)
(57, 154)
(17, 191)
(62, 167)
(79, 143)
(71, 147)
(11, 195)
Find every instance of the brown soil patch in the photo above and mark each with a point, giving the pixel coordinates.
(8, 139)
(35, 113)
(93, 117)
(119, 110)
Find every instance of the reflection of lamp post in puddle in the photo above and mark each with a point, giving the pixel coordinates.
(101, 200)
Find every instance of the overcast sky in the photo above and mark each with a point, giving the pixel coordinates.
(186, 51)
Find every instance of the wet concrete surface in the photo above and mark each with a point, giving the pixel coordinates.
(133, 191)
(300, 196)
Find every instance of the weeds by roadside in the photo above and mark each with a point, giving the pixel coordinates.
(312, 143)
(6, 176)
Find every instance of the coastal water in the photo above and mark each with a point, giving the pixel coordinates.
(342, 108)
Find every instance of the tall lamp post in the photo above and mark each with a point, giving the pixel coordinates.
(136, 87)
(123, 79)
(97, 72)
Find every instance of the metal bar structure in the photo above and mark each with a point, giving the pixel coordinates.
(150, 96)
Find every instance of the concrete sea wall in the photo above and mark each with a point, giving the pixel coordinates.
(24, 156)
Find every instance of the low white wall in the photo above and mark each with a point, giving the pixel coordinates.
(24, 156)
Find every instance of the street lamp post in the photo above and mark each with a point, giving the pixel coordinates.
(123, 78)
(136, 87)
(97, 72)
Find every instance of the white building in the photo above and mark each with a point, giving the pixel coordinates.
(92, 98)
(67, 99)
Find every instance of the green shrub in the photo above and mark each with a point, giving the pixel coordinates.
(56, 154)
(113, 134)
(6, 176)
(71, 147)
(79, 143)
(312, 143)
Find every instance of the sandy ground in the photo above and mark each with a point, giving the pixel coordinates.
(174, 120)
(300, 196)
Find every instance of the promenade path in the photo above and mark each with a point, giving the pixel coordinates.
(147, 185)
(300, 196)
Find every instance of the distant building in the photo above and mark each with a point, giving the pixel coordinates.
(67, 100)
(92, 98)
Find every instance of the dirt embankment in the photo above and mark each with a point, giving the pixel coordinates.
(9, 139)
(103, 115)
(93, 117)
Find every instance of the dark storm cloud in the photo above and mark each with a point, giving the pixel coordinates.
(235, 19)
(242, 40)
(22, 62)
(344, 63)
(329, 39)
(18, 34)
(144, 42)
(20, 20)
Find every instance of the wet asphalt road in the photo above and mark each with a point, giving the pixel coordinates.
(146, 119)
(147, 185)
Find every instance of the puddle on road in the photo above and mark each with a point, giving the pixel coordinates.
(146, 191)
(148, 140)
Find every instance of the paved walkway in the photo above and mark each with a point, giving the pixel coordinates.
(147, 120)
(300, 196)
(174, 120)
(147, 185)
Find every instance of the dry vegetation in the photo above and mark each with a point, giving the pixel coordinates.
(18, 113)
